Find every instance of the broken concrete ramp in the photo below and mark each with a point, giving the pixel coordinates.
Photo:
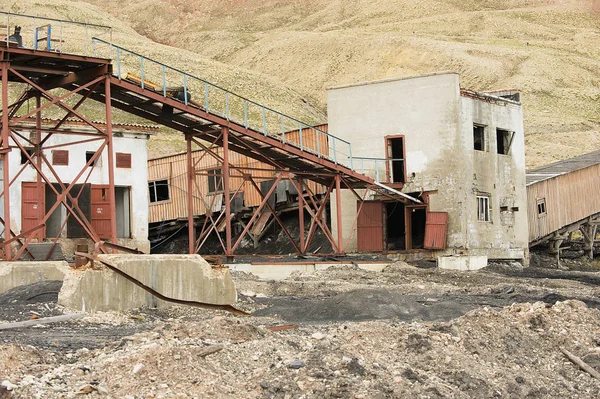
(183, 277)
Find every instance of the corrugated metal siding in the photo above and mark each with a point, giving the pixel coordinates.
(436, 226)
(569, 198)
(369, 227)
(174, 170)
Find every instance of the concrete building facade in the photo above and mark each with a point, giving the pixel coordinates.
(460, 152)
(131, 188)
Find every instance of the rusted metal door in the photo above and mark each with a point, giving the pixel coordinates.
(370, 227)
(436, 227)
(100, 210)
(32, 208)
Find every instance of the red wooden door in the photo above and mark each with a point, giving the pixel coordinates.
(436, 227)
(33, 208)
(370, 227)
(100, 210)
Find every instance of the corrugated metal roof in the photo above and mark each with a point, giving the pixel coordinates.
(562, 167)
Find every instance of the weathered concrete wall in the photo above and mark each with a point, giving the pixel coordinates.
(426, 110)
(437, 123)
(500, 176)
(15, 274)
(186, 277)
(463, 263)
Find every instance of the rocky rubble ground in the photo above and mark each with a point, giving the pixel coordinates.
(489, 351)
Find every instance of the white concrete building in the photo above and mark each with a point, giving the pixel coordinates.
(131, 187)
(459, 151)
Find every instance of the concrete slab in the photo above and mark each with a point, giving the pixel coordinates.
(15, 274)
(280, 271)
(186, 277)
(462, 262)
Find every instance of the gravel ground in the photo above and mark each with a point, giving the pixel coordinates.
(339, 333)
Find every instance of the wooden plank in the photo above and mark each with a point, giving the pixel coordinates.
(45, 320)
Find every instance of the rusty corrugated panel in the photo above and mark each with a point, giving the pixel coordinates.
(60, 157)
(436, 226)
(31, 210)
(123, 160)
(370, 227)
(100, 210)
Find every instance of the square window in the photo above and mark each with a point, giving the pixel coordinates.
(504, 140)
(60, 157)
(159, 191)
(89, 155)
(483, 208)
(123, 160)
(479, 141)
(24, 159)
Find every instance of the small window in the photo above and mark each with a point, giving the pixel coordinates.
(479, 141)
(89, 155)
(215, 181)
(60, 157)
(24, 159)
(541, 207)
(483, 208)
(159, 190)
(123, 160)
(504, 140)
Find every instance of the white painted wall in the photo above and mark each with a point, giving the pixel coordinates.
(137, 177)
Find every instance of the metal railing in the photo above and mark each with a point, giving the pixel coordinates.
(174, 83)
(377, 168)
(50, 34)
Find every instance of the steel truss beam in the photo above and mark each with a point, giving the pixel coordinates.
(11, 138)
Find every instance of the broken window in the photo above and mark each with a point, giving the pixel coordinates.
(483, 208)
(24, 159)
(89, 155)
(479, 141)
(215, 181)
(395, 156)
(541, 206)
(159, 190)
(504, 140)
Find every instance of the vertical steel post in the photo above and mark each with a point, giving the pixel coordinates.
(191, 175)
(338, 204)
(5, 153)
(38, 159)
(301, 213)
(226, 190)
(111, 161)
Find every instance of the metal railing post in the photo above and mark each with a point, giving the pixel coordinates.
(334, 152)
(119, 62)
(185, 91)
(142, 70)
(246, 114)
(301, 140)
(164, 80)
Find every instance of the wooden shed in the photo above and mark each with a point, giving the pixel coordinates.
(562, 194)
(167, 179)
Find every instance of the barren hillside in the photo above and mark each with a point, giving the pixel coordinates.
(548, 48)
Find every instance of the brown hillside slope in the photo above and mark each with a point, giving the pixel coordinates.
(259, 87)
(548, 48)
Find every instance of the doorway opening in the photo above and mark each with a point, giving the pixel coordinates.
(395, 226)
(416, 217)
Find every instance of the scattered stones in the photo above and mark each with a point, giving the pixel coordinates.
(296, 364)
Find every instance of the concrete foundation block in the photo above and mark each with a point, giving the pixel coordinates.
(186, 277)
(465, 263)
(15, 274)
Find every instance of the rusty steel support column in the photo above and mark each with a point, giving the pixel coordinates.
(5, 153)
(111, 162)
(191, 175)
(226, 190)
(38, 159)
(338, 203)
(301, 214)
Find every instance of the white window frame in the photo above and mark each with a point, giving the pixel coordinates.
(541, 206)
(483, 208)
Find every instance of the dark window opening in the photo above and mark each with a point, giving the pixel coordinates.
(395, 226)
(504, 209)
(215, 181)
(159, 190)
(504, 140)
(479, 142)
(29, 152)
(89, 155)
(541, 206)
(395, 153)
